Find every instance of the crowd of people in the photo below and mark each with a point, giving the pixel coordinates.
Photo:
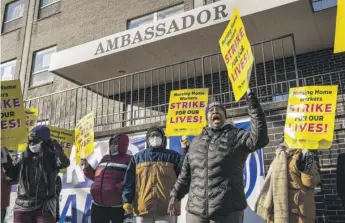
(151, 184)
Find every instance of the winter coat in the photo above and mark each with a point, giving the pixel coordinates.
(108, 179)
(212, 171)
(150, 176)
(108, 176)
(5, 191)
(272, 204)
(301, 187)
(341, 177)
(36, 174)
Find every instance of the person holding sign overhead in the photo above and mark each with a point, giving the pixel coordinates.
(36, 173)
(108, 180)
(150, 176)
(212, 172)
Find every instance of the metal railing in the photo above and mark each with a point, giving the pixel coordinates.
(143, 97)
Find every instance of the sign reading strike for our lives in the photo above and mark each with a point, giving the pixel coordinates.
(65, 137)
(84, 137)
(237, 54)
(13, 118)
(339, 37)
(310, 117)
(186, 115)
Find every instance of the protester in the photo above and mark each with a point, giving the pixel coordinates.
(150, 176)
(212, 171)
(108, 181)
(5, 185)
(288, 191)
(36, 173)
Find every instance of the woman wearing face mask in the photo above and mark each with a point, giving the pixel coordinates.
(108, 178)
(36, 173)
(150, 176)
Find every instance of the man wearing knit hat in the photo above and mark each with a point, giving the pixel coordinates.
(36, 173)
(212, 172)
(150, 176)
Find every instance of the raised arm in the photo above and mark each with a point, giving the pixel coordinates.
(257, 137)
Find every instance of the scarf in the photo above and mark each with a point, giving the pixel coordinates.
(272, 204)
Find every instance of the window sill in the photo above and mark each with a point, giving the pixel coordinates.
(9, 31)
(53, 14)
(41, 85)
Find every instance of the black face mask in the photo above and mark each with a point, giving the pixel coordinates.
(216, 117)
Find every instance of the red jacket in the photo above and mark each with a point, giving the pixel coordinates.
(108, 179)
(5, 191)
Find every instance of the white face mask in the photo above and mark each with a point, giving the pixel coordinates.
(155, 141)
(35, 148)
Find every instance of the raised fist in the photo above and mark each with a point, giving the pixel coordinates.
(85, 163)
(185, 143)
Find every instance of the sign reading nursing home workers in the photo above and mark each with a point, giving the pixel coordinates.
(339, 37)
(84, 137)
(186, 114)
(65, 137)
(13, 118)
(31, 121)
(310, 117)
(237, 54)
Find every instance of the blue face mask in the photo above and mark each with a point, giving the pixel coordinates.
(114, 153)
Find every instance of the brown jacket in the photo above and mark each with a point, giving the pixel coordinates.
(301, 187)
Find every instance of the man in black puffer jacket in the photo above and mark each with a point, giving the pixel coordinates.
(212, 171)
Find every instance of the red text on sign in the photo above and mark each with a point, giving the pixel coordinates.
(309, 127)
(232, 51)
(324, 108)
(240, 66)
(186, 119)
(194, 104)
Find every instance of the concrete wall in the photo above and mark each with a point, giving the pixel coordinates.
(78, 22)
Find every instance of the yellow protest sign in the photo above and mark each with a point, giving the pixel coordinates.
(65, 137)
(237, 54)
(310, 117)
(31, 121)
(84, 137)
(339, 37)
(186, 114)
(13, 119)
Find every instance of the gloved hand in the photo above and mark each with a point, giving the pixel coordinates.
(128, 208)
(4, 154)
(171, 207)
(85, 163)
(281, 144)
(185, 143)
(305, 161)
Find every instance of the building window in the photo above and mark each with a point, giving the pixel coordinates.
(40, 74)
(199, 3)
(13, 16)
(154, 17)
(8, 70)
(319, 5)
(49, 8)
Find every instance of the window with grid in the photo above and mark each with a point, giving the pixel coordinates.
(40, 74)
(154, 17)
(8, 70)
(49, 8)
(13, 17)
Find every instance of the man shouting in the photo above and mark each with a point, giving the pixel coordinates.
(212, 171)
